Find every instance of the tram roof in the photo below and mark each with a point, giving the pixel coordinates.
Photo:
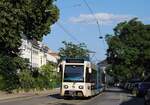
(77, 59)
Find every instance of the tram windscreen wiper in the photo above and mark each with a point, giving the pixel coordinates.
(73, 73)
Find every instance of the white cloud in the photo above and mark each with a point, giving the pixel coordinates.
(103, 18)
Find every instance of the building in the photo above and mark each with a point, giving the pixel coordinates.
(102, 66)
(106, 78)
(37, 53)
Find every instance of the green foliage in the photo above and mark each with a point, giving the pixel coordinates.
(74, 50)
(35, 19)
(44, 78)
(26, 80)
(128, 51)
(2, 82)
(51, 76)
(17, 18)
(27, 17)
(9, 67)
(15, 74)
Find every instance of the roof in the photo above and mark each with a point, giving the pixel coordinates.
(76, 58)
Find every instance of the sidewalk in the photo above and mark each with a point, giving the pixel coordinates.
(6, 96)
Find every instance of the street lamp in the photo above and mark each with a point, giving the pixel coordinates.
(100, 37)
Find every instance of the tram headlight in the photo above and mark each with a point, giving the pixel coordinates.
(66, 86)
(81, 87)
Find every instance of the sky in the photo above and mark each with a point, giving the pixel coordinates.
(81, 25)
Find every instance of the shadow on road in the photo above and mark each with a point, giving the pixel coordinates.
(61, 104)
(134, 101)
(114, 90)
(57, 96)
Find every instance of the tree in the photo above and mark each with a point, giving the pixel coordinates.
(74, 50)
(17, 18)
(129, 49)
(24, 17)
(35, 18)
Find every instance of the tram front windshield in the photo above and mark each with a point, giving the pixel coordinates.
(73, 73)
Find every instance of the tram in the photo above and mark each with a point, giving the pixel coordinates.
(79, 78)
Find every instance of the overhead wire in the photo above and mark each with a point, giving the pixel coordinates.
(65, 30)
(97, 21)
(68, 32)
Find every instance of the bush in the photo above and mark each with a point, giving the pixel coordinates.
(50, 74)
(2, 82)
(8, 72)
(26, 80)
(44, 78)
(15, 74)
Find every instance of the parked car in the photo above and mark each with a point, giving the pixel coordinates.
(133, 84)
(141, 88)
(147, 98)
(126, 86)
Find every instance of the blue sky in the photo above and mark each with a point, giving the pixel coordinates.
(76, 18)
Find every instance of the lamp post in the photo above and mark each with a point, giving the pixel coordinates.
(102, 38)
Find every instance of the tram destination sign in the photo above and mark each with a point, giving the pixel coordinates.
(74, 60)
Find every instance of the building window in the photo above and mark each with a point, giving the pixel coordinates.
(41, 60)
(34, 52)
(24, 47)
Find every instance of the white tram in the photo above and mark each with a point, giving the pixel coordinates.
(79, 77)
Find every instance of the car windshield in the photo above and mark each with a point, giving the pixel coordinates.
(73, 73)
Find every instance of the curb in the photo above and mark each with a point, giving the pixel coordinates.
(27, 96)
(15, 98)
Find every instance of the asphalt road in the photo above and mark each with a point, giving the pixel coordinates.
(113, 96)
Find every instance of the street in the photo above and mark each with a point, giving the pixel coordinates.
(112, 96)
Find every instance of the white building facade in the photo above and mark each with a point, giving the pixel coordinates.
(37, 53)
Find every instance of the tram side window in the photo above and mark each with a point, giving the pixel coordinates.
(88, 75)
(103, 78)
(93, 76)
